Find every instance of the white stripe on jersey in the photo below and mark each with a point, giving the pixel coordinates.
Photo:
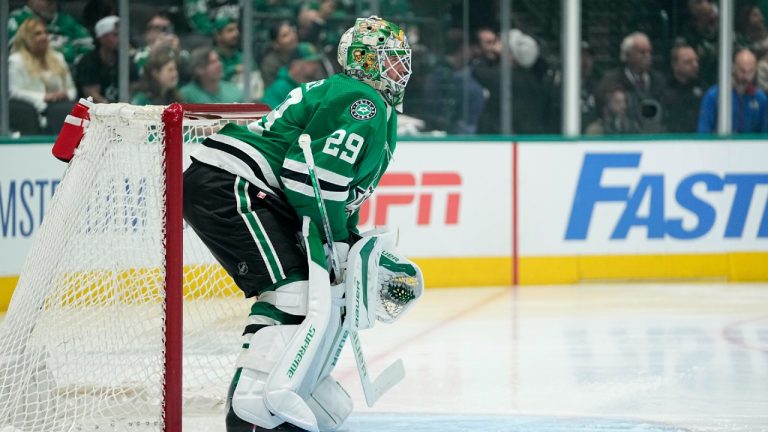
(231, 164)
(322, 174)
(252, 153)
(307, 190)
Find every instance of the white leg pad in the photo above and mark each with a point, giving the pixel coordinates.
(265, 349)
(290, 298)
(330, 403)
(287, 384)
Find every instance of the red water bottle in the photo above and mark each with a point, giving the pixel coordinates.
(72, 131)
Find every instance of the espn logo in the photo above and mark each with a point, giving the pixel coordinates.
(415, 191)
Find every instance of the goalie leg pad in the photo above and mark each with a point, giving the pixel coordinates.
(285, 371)
(330, 403)
(265, 349)
(290, 298)
(288, 385)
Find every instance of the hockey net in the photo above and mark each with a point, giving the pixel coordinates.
(92, 337)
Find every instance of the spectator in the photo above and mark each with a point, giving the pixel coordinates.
(206, 85)
(614, 118)
(589, 83)
(160, 79)
(700, 32)
(445, 89)
(312, 19)
(303, 67)
(39, 76)
(531, 95)
(486, 70)
(202, 16)
(751, 32)
(749, 102)
(65, 34)
(96, 72)
(762, 73)
(642, 85)
(227, 42)
(159, 33)
(284, 40)
(682, 99)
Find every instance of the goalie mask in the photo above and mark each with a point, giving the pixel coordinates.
(376, 52)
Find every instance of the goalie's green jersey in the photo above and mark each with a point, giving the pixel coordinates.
(353, 133)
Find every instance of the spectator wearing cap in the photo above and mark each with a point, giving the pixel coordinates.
(452, 100)
(284, 40)
(532, 95)
(65, 34)
(682, 99)
(227, 43)
(530, 104)
(303, 67)
(749, 102)
(97, 72)
(642, 85)
(206, 85)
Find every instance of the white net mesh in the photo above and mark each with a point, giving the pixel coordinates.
(82, 345)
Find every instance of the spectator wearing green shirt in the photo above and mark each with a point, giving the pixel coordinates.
(227, 42)
(303, 67)
(207, 85)
(202, 14)
(65, 34)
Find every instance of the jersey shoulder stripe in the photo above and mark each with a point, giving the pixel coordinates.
(252, 153)
(234, 160)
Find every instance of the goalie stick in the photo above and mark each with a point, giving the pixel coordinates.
(395, 372)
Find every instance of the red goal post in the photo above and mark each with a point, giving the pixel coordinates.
(173, 117)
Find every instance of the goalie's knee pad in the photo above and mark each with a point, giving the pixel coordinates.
(282, 377)
(330, 403)
(255, 364)
(290, 298)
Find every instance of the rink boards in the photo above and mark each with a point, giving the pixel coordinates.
(500, 211)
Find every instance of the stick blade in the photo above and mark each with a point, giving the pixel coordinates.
(392, 375)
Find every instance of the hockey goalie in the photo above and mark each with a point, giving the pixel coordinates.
(258, 200)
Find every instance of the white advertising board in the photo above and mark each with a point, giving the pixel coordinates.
(445, 199)
(29, 175)
(454, 199)
(657, 197)
(448, 199)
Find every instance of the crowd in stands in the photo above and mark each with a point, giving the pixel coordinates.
(58, 57)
